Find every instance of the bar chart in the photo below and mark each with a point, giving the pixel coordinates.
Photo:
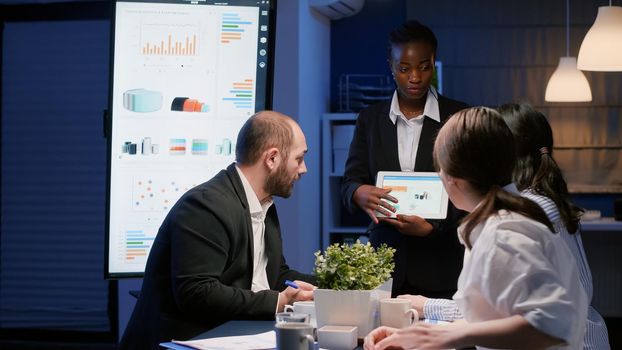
(241, 94)
(169, 40)
(232, 27)
(137, 246)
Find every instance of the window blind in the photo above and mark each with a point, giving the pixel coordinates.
(53, 184)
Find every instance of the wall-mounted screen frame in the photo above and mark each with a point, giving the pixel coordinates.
(185, 76)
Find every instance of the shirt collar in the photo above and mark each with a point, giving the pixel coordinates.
(430, 109)
(254, 206)
(511, 188)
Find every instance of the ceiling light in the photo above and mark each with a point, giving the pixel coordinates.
(601, 49)
(568, 84)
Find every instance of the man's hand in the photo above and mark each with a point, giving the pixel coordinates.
(369, 199)
(290, 295)
(410, 225)
(417, 302)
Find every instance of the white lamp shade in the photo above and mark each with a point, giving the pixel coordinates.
(601, 49)
(568, 84)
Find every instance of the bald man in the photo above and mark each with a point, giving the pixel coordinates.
(218, 254)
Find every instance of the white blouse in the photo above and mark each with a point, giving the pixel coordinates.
(596, 336)
(518, 267)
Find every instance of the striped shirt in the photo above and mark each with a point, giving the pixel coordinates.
(596, 336)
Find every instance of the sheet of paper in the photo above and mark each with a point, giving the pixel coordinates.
(259, 341)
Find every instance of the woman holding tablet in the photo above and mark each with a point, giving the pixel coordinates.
(398, 135)
(516, 288)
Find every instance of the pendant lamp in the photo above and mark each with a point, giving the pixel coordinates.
(601, 49)
(568, 84)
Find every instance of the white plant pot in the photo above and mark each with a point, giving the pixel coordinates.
(350, 307)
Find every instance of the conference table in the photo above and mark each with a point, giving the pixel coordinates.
(235, 328)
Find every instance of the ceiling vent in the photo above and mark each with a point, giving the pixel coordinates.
(337, 9)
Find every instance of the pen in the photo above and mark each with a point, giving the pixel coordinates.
(291, 284)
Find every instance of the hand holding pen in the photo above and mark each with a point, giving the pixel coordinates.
(291, 284)
(295, 291)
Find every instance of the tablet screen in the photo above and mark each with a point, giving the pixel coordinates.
(418, 193)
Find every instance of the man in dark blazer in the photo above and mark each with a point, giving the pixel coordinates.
(398, 135)
(218, 254)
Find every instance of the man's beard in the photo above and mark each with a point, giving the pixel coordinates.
(279, 184)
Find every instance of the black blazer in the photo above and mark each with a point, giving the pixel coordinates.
(200, 267)
(424, 265)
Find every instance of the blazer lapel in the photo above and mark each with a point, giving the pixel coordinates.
(424, 160)
(239, 190)
(388, 138)
(273, 243)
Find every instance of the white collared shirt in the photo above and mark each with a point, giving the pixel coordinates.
(516, 266)
(258, 216)
(596, 329)
(409, 131)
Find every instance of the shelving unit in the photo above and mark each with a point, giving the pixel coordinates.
(338, 225)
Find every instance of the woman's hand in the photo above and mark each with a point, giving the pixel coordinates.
(410, 225)
(370, 198)
(377, 335)
(417, 302)
(419, 336)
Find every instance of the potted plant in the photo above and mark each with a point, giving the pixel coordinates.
(351, 281)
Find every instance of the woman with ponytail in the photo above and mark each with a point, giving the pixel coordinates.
(516, 288)
(539, 178)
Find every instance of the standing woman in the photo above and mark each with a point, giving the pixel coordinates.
(517, 288)
(398, 135)
(540, 179)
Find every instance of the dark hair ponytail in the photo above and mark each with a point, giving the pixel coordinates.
(477, 146)
(536, 169)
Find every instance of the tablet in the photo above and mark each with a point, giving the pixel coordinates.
(418, 193)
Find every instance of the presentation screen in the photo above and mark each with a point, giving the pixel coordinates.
(185, 76)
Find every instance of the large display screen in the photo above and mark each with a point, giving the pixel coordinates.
(186, 75)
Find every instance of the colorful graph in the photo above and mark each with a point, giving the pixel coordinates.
(137, 246)
(242, 94)
(185, 104)
(156, 194)
(232, 27)
(224, 149)
(177, 147)
(169, 40)
(172, 47)
(199, 147)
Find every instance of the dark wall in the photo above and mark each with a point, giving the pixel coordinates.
(358, 44)
(497, 52)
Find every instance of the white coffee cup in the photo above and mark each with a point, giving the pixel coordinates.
(304, 307)
(294, 336)
(292, 317)
(397, 313)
